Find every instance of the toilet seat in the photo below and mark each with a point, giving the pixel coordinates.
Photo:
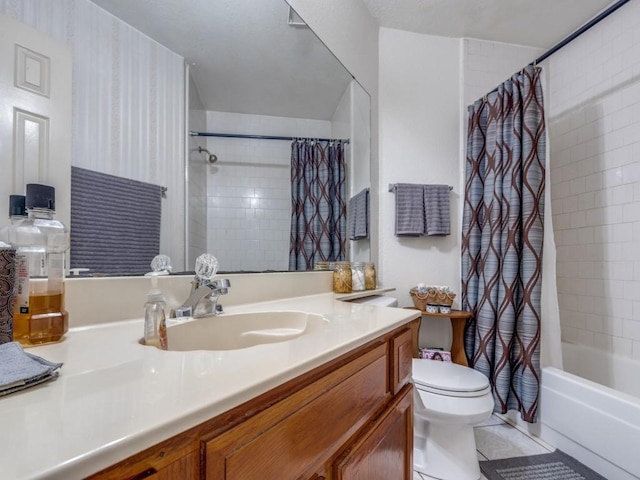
(449, 379)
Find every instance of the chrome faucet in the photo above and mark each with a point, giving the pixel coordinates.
(205, 292)
(204, 299)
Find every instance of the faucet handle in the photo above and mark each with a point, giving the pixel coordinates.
(206, 268)
(161, 263)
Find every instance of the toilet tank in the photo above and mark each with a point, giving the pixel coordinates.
(379, 300)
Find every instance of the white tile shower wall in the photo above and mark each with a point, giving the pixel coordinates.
(248, 189)
(594, 128)
(128, 101)
(487, 64)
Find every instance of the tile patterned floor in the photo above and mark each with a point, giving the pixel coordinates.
(497, 439)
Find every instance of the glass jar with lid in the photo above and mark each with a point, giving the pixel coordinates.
(342, 277)
(357, 277)
(370, 278)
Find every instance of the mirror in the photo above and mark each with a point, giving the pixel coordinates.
(251, 68)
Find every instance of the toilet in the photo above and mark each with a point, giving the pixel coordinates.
(449, 399)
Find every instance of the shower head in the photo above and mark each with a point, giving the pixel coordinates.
(210, 156)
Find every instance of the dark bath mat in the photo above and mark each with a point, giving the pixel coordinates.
(556, 465)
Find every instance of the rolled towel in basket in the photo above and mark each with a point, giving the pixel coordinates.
(20, 370)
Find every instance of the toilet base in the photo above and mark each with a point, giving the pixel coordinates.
(445, 451)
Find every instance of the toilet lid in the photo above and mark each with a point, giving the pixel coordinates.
(448, 378)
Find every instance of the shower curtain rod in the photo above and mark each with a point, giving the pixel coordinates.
(262, 137)
(601, 16)
(580, 31)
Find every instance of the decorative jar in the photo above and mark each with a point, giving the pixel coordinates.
(357, 277)
(370, 278)
(342, 277)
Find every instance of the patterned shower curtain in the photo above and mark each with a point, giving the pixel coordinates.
(502, 240)
(318, 207)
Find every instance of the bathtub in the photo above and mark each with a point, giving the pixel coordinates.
(592, 410)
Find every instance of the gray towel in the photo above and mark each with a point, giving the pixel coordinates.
(359, 215)
(436, 207)
(410, 212)
(20, 370)
(113, 218)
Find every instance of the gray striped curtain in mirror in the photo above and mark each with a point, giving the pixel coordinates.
(318, 205)
(502, 240)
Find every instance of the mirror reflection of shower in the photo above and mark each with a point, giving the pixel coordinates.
(211, 158)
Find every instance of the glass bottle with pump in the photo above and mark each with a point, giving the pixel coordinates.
(41, 243)
(155, 327)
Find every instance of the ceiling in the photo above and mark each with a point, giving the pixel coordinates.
(244, 55)
(246, 58)
(534, 23)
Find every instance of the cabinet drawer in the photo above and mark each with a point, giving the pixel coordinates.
(401, 360)
(280, 446)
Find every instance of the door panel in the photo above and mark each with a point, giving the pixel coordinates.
(35, 114)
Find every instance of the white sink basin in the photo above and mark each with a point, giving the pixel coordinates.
(241, 330)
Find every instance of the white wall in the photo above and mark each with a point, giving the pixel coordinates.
(487, 64)
(426, 83)
(128, 105)
(352, 120)
(197, 178)
(347, 28)
(594, 127)
(419, 135)
(341, 119)
(361, 167)
(249, 189)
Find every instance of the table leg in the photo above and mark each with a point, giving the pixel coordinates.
(457, 343)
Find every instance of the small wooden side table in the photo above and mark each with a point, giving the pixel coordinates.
(458, 321)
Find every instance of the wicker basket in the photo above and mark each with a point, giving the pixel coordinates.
(421, 300)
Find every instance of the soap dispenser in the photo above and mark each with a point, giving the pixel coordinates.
(155, 327)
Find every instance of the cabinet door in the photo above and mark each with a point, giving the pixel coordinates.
(401, 360)
(385, 450)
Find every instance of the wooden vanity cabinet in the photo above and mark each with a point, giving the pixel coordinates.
(348, 419)
(384, 450)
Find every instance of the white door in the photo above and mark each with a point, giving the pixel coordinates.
(35, 114)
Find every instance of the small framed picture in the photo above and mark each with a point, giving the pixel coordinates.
(435, 354)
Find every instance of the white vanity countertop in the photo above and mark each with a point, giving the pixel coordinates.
(115, 397)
